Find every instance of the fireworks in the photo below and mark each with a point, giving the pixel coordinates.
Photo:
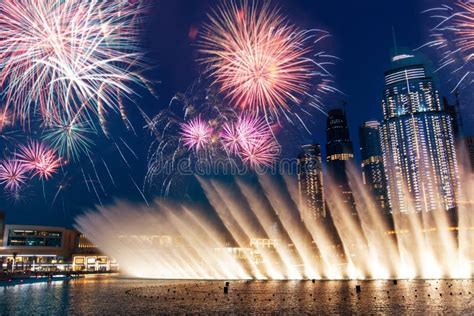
(66, 58)
(196, 134)
(251, 139)
(260, 153)
(39, 159)
(13, 174)
(454, 37)
(260, 61)
(69, 139)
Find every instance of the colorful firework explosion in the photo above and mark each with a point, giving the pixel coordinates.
(196, 134)
(262, 62)
(66, 58)
(251, 138)
(13, 174)
(39, 159)
(453, 36)
(69, 139)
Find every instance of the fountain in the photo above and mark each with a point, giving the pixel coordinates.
(257, 233)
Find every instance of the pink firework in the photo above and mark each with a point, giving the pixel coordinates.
(260, 153)
(230, 138)
(241, 134)
(260, 60)
(250, 138)
(13, 174)
(196, 134)
(39, 159)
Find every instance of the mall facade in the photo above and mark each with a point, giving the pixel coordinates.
(46, 248)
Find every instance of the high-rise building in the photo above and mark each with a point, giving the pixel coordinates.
(310, 181)
(470, 150)
(418, 145)
(453, 110)
(2, 227)
(373, 174)
(338, 154)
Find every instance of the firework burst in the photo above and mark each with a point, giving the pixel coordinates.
(69, 139)
(251, 138)
(39, 159)
(260, 153)
(196, 134)
(67, 58)
(261, 62)
(453, 35)
(13, 174)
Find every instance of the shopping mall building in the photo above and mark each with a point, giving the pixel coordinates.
(46, 248)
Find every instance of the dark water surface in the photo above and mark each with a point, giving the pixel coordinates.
(106, 295)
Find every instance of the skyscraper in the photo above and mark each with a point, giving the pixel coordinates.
(373, 173)
(338, 154)
(310, 181)
(470, 150)
(417, 140)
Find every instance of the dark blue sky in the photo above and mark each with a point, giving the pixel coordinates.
(361, 36)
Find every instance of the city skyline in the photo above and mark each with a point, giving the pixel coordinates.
(362, 96)
(236, 156)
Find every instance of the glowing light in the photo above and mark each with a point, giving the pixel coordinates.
(454, 37)
(259, 60)
(250, 138)
(69, 139)
(39, 159)
(65, 57)
(196, 134)
(13, 174)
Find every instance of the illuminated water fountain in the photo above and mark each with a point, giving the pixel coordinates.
(254, 231)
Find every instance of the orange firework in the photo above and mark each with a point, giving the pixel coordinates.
(260, 61)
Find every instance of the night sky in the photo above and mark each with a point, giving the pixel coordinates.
(361, 37)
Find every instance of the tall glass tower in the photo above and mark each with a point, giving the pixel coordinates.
(417, 140)
(339, 153)
(310, 181)
(373, 173)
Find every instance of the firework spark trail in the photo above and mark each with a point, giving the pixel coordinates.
(453, 36)
(95, 190)
(129, 148)
(196, 134)
(39, 159)
(263, 63)
(85, 180)
(13, 174)
(66, 57)
(108, 172)
(96, 174)
(121, 155)
(140, 191)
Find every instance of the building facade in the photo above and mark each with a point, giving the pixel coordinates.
(310, 182)
(373, 173)
(31, 247)
(470, 150)
(339, 153)
(418, 145)
(46, 248)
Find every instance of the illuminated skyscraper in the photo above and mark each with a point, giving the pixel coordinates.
(417, 140)
(310, 181)
(338, 154)
(470, 150)
(373, 173)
